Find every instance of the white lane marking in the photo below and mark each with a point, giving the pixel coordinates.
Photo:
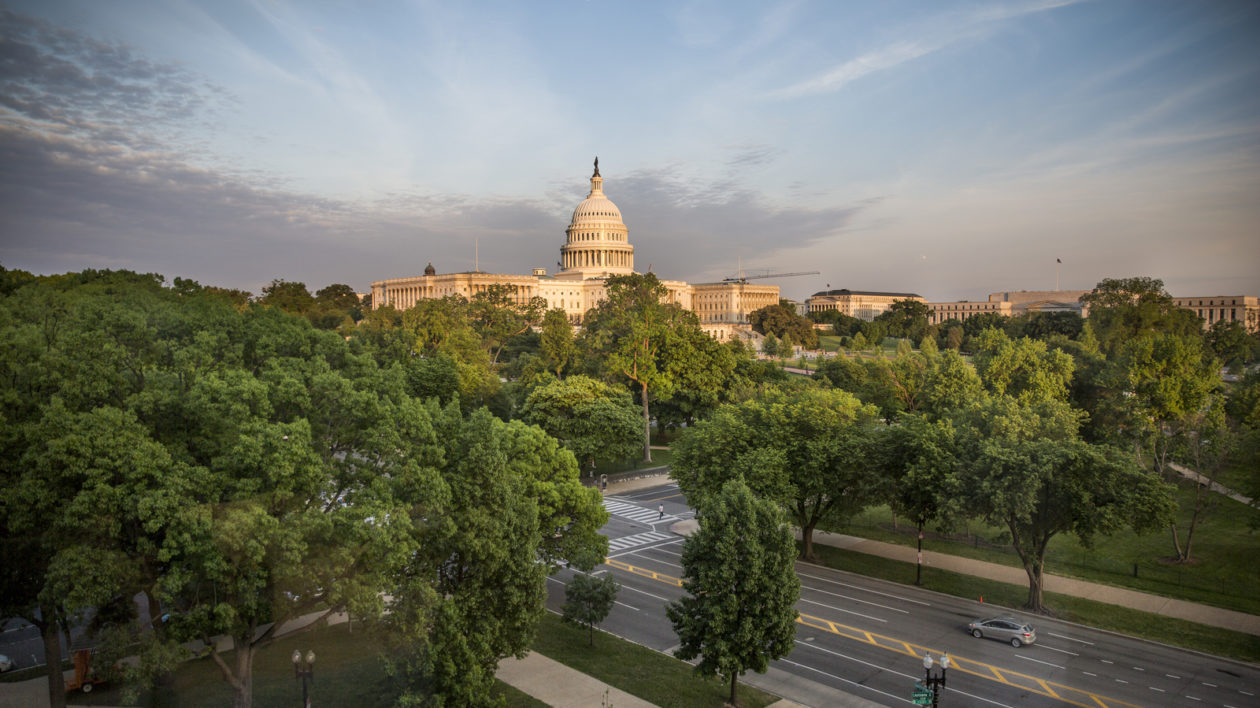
(658, 597)
(637, 549)
(1138, 668)
(1193, 698)
(1106, 661)
(1061, 651)
(881, 668)
(1157, 689)
(1246, 693)
(1070, 639)
(1089, 674)
(1121, 681)
(864, 602)
(658, 560)
(1205, 683)
(841, 679)
(838, 609)
(1171, 676)
(1039, 661)
(858, 587)
(619, 602)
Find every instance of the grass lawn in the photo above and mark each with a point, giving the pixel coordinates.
(1223, 574)
(348, 672)
(637, 670)
(1211, 640)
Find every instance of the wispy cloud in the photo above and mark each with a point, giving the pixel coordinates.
(72, 84)
(946, 31)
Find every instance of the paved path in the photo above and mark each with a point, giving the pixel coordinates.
(1202, 479)
(1146, 602)
(559, 686)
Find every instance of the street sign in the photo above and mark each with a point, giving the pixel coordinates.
(921, 696)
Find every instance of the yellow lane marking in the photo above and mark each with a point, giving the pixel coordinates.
(979, 669)
(671, 496)
(661, 577)
(1015, 679)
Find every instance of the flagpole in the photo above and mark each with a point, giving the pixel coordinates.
(1057, 263)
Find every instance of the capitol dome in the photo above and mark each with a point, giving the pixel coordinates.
(596, 207)
(597, 241)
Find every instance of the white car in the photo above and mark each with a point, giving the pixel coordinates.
(5, 663)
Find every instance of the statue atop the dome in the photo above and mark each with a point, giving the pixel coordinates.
(596, 166)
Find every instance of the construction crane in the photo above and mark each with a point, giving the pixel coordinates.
(745, 278)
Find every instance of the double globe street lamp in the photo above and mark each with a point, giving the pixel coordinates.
(935, 683)
(304, 673)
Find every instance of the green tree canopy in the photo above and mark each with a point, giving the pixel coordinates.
(240, 468)
(1122, 309)
(632, 335)
(782, 321)
(591, 418)
(1023, 368)
(1027, 470)
(905, 318)
(804, 449)
(558, 346)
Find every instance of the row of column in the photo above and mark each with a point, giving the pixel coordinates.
(580, 259)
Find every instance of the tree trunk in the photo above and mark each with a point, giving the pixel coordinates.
(918, 565)
(243, 697)
(242, 679)
(1176, 541)
(647, 427)
(1034, 603)
(1194, 521)
(807, 542)
(52, 657)
(734, 679)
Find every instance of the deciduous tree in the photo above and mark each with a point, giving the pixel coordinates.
(591, 418)
(804, 449)
(1029, 472)
(633, 335)
(588, 599)
(739, 612)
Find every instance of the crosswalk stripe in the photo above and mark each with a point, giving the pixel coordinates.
(638, 539)
(636, 513)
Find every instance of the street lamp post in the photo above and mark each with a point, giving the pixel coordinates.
(304, 674)
(936, 683)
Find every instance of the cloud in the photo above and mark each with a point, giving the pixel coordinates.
(68, 203)
(946, 30)
(73, 84)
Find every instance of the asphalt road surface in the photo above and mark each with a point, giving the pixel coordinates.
(867, 637)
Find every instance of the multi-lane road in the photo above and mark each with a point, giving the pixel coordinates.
(867, 638)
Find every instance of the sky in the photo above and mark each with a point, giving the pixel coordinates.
(949, 149)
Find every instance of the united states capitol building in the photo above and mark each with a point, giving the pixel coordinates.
(597, 245)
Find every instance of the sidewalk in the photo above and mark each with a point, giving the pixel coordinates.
(1155, 604)
(559, 686)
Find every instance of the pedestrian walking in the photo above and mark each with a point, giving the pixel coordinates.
(661, 509)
